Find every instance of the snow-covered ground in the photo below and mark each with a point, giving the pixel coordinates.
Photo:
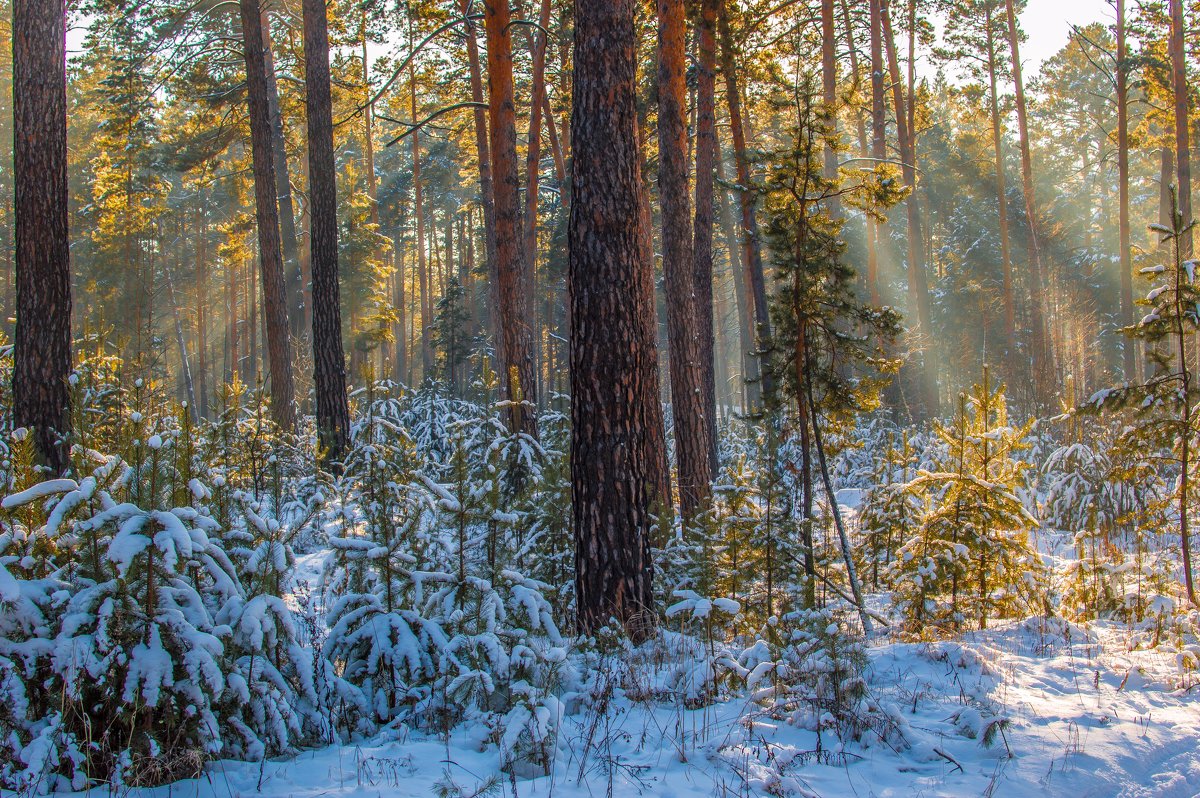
(1071, 711)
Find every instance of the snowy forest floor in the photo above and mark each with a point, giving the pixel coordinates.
(1085, 717)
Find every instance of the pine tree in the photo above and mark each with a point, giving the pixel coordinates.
(618, 456)
(1163, 404)
(329, 360)
(42, 344)
(971, 558)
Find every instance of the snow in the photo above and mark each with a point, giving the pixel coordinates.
(1071, 711)
(42, 490)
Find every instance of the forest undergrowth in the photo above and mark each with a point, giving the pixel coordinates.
(156, 620)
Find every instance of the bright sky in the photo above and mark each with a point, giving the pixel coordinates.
(1048, 23)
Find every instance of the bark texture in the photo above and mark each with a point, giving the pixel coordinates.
(513, 280)
(279, 347)
(42, 345)
(617, 443)
(683, 330)
(702, 230)
(329, 361)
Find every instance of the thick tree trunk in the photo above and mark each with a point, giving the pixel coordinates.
(42, 344)
(516, 332)
(279, 349)
(702, 232)
(687, 378)
(617, 442)
(329, 360)
(752, 252)
(1044, 377)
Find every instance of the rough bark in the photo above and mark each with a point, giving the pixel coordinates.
(516, 332)
(42, 343)
(693, 471)
(279, 349)
(283, 188)
(617, 442)
(329, 361)
(702, 230)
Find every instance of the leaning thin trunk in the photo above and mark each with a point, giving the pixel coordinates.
(831, 496)
(918, 282)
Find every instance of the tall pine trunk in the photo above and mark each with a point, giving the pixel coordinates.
(283, 188)
(687, 380)
(1125, 245)
(617, 439)
(516, 332)
(1041, 349)
(279, 348)
(483, 155)
(42, 345)
(829, 101)
(329, 361)
(751, 246)
(1183, 157)
(1010, 323)
(918, 282)
(702, 231)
